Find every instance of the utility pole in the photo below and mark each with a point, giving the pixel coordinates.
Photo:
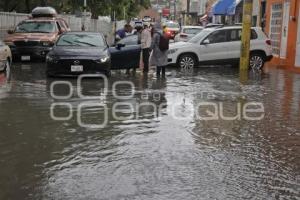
(170, 17)
(175, 11)
(124, 12)
(84, 15)
(246, 34)
(187, 11)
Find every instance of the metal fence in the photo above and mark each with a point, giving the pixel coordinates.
(102, 25)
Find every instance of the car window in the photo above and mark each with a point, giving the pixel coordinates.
(217, 37)
(36, 27)
(191, 30)
(197, 38)
(84, 40)
(62, 25)
(130, 40)
(58, 26)
(253, 35)
(172, 25)
(236, 35)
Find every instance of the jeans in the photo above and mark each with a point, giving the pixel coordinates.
(160, 69)
(146, 55)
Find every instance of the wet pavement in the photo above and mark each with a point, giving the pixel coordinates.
(151, 139)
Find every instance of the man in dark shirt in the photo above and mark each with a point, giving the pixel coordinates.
(120, 34)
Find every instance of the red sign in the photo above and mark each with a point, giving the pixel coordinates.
(165, 12)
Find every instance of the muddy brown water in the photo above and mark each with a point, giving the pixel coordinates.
(154, 142)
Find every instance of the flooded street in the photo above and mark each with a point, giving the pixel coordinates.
(150, 139)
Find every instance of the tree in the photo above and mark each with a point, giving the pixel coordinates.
(96, 7)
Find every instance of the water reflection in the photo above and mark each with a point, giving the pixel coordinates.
(154, 145)
(5, 85)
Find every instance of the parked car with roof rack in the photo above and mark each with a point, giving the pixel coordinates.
(215, 46)
(34, 37)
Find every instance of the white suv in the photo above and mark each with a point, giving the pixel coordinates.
(221, 45)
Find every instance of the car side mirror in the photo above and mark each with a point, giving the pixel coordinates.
(10, 31)
(206, 42)
(120, 45)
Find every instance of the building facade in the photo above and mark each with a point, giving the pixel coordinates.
(283, 28)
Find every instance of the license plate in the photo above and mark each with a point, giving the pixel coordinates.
(76, 68)
(25, 58)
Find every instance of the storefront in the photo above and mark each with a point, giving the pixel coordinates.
(231, 12)
(283, 28)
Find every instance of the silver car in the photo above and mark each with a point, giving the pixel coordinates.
(187, 32)
(5, 56)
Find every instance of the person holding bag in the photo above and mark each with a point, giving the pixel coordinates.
(159, 46)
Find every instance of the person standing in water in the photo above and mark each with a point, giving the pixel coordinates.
(145, 44)
(159, 56)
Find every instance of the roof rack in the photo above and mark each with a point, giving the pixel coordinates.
(214, 25)
(43, 12)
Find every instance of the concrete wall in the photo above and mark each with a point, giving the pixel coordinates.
(10, 20)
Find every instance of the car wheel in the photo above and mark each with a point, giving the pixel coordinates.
(256, 61)
(187, 61)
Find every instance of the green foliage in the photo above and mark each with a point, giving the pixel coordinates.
(96, 7)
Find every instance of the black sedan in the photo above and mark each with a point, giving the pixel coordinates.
(126, 53)
(78, 53)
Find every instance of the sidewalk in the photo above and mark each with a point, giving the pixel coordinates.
(270, 65)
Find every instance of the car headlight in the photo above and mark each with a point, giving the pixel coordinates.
(47, 44)
(52, 58)
(171, 51)
(103, 59)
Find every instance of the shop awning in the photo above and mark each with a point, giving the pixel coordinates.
(225, 7)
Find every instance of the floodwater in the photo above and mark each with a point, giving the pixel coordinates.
(149, 138)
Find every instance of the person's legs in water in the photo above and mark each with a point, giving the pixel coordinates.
(146, 55)
(163, 69)
(158, 70)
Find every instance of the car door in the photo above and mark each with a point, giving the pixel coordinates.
(126, 53)
(215, 51)
(234, 37)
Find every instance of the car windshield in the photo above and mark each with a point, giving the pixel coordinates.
(84, 40)
(191, 30)
(36, 27)
(172, 25)
(199, 36)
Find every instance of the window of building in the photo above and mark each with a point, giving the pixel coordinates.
(275, 27)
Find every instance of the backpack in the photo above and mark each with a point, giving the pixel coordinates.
(163, 43)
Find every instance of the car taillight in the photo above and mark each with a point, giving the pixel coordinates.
(268, 42)
(183, 36)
